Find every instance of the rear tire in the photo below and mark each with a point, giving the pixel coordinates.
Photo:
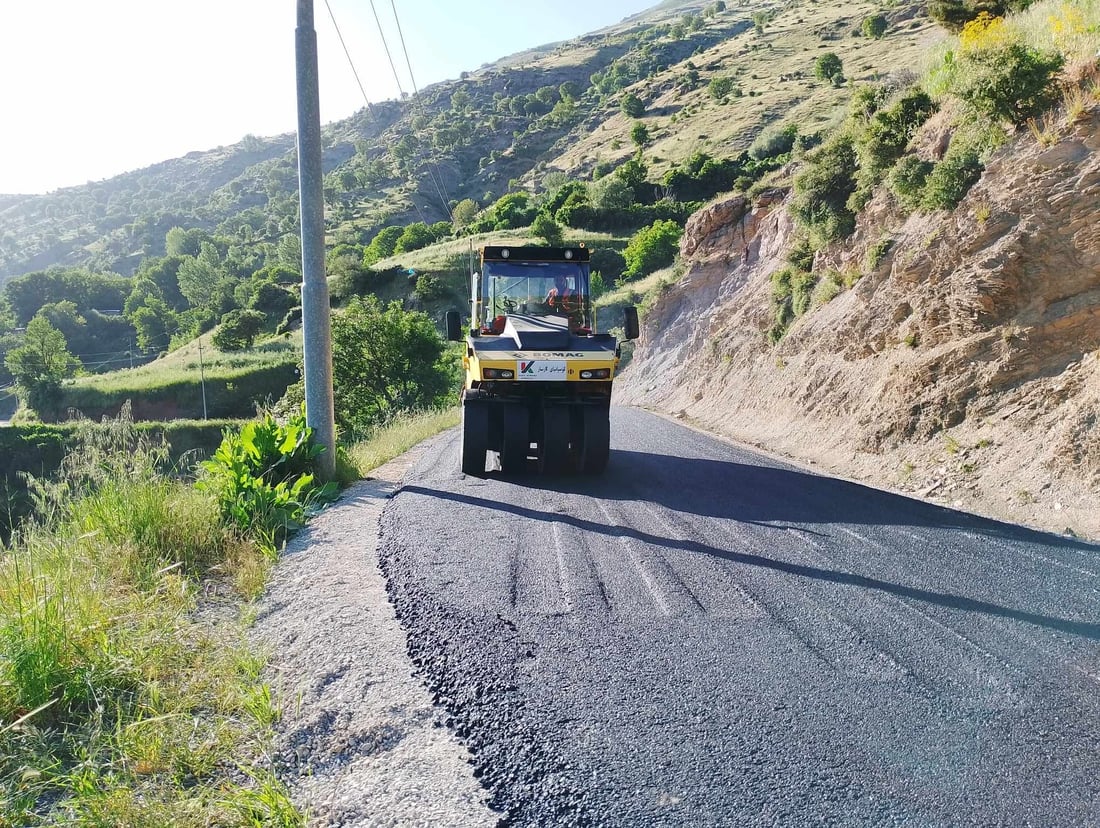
(596, 443)
(475, 437)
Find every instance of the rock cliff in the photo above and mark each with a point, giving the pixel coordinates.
(961, 365)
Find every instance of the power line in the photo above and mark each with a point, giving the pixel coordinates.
(386, 46)
(440, 187)
(347, 54)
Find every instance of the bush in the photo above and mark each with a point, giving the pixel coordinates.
(773, 142)
(954, 14)
(610, 263)
(822, 190)
(428, 288)
(792, 292)
(951, 179)
(385, 360)
(414, 237)
(652, 248)
(906, 180)
(720, 86)
(632, 106)
(383, 245)
(1011, 82)
(874, 26)
(272, 300)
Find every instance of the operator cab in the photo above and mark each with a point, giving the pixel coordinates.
(532, 282)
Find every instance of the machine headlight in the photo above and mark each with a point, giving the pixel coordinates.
(499, 373)
(596, 373)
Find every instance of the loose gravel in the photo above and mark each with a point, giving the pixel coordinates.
(359, 742)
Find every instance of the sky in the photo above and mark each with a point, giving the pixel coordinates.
(93, 88)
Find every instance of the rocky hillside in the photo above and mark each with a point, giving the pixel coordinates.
(962, 365)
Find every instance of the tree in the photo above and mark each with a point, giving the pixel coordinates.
(238, 330)
(639, 134)
(652, 248)
(40, 364)
(384, 360)
(548, 230)
(414, 237)
(198, 276)
(632, 106)
(822, 190)
(464, 212)
(383, 244)
(874, 26)
(570, 91)
(719, 87)
(512, 211)
(180, 242)
(155, 324)
(611, 193)
(828, 67)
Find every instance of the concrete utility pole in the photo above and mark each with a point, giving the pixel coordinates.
(316, 328)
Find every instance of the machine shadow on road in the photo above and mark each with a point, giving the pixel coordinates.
(773, 493)
(949, 600)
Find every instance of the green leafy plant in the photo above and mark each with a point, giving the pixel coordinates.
(951, 179)
(1010, 82)
(262, 478)
(651, 248)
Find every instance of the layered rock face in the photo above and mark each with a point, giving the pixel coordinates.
(961, 364)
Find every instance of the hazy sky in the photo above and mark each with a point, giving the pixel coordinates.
(93, 88)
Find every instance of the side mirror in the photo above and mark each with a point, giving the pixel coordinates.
(454, 330)
(630, 322)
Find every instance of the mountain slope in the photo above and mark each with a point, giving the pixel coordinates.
(963, 366)
(478, 136)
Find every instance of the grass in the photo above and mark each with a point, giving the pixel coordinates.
(120, 702)
(183, 364)
(397, 437)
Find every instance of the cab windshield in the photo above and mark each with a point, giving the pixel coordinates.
(532, 288)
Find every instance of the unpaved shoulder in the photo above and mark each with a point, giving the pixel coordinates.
(360, 743)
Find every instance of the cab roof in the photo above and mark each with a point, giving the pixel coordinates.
(509, 253)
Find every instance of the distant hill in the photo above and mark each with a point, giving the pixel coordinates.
(505, 124)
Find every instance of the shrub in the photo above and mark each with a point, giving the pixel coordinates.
(874, 26)
(822, 190)
(608, 262)
(773, 142)
(383, 244)
(652, 248)
(906, 180)
(951, 179)
(801, 254)
(428, 287)
(954, 14)
(413, 237)
(792, 294)
(1010, 83)
(720, 86)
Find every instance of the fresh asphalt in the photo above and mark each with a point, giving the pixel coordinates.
(703, 636)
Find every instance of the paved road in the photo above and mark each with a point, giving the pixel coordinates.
(707, 637)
